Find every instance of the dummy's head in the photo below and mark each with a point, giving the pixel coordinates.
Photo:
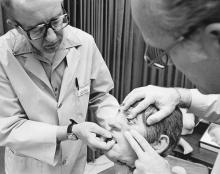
(163, 22)
(162, 136)
(27, 16)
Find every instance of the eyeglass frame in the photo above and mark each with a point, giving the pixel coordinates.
(47, 25)
(157, 61)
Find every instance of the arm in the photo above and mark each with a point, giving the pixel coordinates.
(102, 104)
(24, 136)
(166, 99)
(203, 106)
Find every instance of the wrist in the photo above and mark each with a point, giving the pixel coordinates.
(71, 131)
(61, 133)
(185, 97)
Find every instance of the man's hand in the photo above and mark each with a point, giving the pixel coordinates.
(92, 134)
(165, 99)
(148, 162)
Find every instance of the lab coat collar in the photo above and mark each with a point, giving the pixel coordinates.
(31, 56)
(23, 47)
(73, 59)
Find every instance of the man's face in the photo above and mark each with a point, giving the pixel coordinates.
(122, 151)
(30, 13)
(192, 56)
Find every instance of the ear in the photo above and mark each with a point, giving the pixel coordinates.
(11, 23)
(14, 25)
(161, 145)
(211, 38)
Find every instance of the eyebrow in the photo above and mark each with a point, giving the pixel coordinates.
(53, 18)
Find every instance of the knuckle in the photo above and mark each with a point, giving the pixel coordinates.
(135, 90)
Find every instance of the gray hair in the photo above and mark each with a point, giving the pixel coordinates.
(187, 16)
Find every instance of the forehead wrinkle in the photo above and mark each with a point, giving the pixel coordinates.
(34, 6)
(40, 14)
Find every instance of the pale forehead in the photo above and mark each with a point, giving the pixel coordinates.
(33, 5)
(32, 12)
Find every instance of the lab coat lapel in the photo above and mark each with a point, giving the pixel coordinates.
(33, 65)
(73, 59)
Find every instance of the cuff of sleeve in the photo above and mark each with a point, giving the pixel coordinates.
(51, 151)
(205, 106)
(42, 143)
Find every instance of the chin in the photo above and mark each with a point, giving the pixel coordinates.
(118, 155)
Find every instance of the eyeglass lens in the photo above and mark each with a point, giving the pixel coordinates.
(56, 25)
(156, 57)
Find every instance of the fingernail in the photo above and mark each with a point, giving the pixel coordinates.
(125, 132)
(129, 116)
(109, 135)
(149, 122)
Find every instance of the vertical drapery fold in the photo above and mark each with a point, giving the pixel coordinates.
(121, 44)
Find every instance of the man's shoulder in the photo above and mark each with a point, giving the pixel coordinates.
(10, 40)
(78, 35)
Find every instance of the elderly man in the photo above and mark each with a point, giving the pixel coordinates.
(162, 136)
(50, 73)
(189, 31)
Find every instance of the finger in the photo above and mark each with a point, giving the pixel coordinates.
(135, 146)
(96, 143)
(101, 131)
(140, 107)
(159, 115)
(142, 142)
(131, 99)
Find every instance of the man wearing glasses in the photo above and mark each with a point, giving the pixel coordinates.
(189, 32)
(50, 74)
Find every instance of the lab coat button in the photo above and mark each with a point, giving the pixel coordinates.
(55, 89)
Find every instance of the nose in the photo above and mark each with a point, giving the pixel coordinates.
(51, 35)
(114, 124)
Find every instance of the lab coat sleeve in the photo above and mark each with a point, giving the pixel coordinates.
(102, 104)
(24, 137)
(205, 106)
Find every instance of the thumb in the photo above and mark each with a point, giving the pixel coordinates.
(101, 131)
(158, 116)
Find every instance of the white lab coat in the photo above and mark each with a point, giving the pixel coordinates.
(30, 113)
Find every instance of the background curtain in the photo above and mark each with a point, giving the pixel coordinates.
(121, 44)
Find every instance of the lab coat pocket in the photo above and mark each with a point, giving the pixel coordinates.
(20, 164)
(82, 98)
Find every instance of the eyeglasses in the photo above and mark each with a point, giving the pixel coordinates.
(162, 57)
(40, 31)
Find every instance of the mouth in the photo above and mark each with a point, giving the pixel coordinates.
(51, 46)
(110, 139)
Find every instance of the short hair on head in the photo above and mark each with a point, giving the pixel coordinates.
(171, 126)
(187, 16)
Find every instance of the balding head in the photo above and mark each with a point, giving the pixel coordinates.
(23, 6)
